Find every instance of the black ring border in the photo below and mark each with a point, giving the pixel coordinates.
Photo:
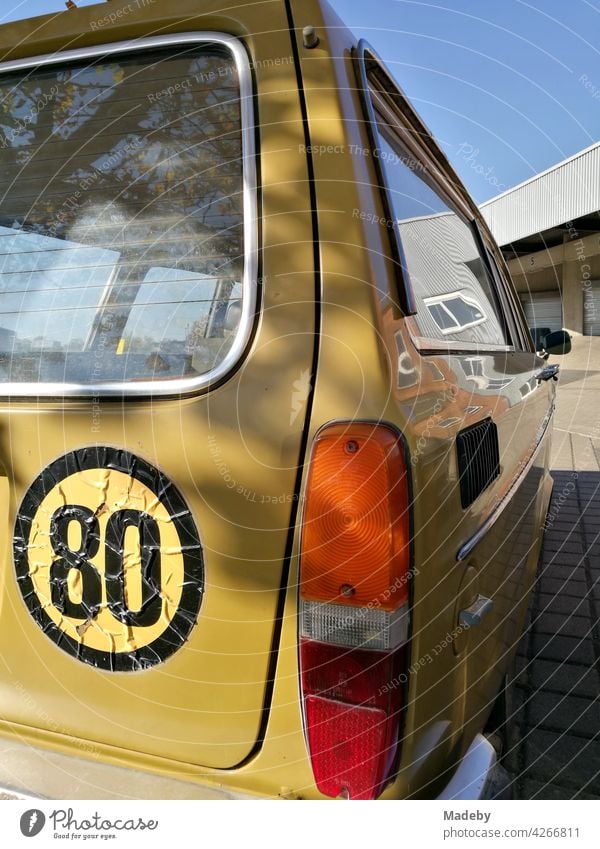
(186, 615)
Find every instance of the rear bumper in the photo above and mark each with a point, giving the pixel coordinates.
(479, 775)
(29, 772)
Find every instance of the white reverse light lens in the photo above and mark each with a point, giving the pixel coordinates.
(355, 627)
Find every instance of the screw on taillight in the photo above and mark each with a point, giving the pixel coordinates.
(353, 607)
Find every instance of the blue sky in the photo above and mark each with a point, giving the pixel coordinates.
(501, 83)
(16, 9)
(509, 87)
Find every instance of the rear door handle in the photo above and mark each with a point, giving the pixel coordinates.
(474, 614)
(548, 373)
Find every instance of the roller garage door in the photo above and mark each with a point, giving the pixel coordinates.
(543, 309)
(591, 309)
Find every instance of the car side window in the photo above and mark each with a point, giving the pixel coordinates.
(452, 288)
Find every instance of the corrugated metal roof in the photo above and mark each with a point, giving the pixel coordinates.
(560, 194)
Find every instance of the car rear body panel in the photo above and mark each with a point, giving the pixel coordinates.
(370, 368)
(232, 454)
(224, 711)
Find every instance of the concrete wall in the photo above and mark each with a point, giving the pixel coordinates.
(568, 268)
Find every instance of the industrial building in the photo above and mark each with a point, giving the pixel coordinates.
(549, 230)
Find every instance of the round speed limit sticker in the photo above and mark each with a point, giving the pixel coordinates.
(108, 559)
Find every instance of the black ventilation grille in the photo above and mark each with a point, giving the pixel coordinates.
(478, 459)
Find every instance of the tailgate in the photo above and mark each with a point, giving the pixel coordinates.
(154, 378)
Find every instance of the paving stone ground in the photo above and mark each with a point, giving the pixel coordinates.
(554, 749)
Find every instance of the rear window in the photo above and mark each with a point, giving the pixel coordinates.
(122, 227)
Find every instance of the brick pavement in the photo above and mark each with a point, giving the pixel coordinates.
(554, 748)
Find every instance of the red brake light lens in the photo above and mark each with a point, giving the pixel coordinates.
(347, 747)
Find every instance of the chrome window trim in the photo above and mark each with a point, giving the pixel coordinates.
(426, 345)
(177, 386)
(404, 290)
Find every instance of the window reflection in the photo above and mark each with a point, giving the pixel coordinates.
(121, 228)
(454, 295)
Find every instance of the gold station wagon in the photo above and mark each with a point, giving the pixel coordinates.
(273, 436)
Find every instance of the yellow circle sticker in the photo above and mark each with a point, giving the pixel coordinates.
(108, 559)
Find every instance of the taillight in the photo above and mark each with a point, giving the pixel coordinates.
(354, 615)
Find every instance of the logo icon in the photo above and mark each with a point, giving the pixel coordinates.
(32, 822)
(301, 390)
